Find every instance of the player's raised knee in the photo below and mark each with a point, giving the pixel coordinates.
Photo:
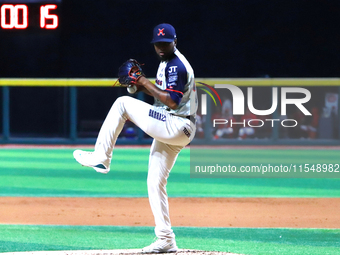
(123, 99)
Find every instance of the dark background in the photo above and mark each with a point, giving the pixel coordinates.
(243, 38)
(220, 38)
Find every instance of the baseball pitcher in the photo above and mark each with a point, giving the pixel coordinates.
(170, 121)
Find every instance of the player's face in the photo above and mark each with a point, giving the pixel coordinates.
(165, 49)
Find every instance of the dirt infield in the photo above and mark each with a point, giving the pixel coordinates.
(197, 212)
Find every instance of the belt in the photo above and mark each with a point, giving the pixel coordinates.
(189, 117)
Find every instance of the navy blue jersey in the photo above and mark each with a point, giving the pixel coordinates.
(177, 77)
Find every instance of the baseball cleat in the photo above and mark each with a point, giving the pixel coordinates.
(89, 159)
(161, 246)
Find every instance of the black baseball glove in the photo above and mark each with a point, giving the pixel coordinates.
(130, 72)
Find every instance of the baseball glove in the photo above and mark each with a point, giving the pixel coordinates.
(129, 72)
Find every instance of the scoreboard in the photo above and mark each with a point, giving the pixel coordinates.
(30, 38)
(21, 15)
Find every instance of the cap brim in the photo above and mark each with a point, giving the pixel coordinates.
(162, 40)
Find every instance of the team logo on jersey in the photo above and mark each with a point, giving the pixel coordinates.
(173, 78)
(172, 69)
(160, 31)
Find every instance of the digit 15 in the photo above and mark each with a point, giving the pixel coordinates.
(45, 14)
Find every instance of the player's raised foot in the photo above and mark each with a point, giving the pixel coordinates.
(161, 246)
(90, 159)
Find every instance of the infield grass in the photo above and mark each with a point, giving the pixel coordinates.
(54, 172)
(236, 240)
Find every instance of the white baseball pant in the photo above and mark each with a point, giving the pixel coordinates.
(171, 134)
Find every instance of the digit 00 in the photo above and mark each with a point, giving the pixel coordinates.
(14, 16)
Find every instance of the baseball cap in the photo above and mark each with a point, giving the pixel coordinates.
(163, 33)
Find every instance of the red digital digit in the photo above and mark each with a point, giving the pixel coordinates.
(14, 16)
(45, 15)
(7, 12)
(21, 8)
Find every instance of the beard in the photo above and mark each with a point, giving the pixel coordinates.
(166, 57)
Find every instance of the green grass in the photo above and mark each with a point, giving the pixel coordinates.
(54, 172)
(236, 240)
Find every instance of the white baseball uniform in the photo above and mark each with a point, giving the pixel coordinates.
(171, 129)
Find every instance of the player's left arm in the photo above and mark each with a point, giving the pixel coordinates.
(142, 89)
(161, 95)
(176, 78)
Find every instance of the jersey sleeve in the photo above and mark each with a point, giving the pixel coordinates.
(176, 78)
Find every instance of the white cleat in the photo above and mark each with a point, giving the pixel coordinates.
(89, 159)
(161, 246)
